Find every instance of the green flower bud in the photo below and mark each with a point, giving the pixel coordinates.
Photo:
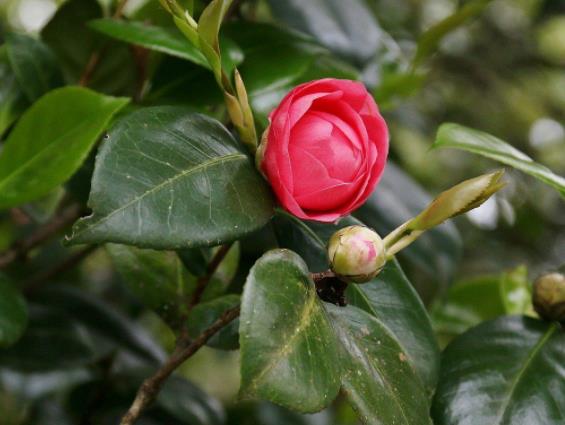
(549, 297)
(356, 253)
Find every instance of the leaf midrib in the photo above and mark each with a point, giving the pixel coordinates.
(529, 359)
(156, 188)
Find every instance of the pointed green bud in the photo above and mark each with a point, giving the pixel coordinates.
(356, 254)
(549, 297)
(458, 200)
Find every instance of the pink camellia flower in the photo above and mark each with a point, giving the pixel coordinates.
(325, 149)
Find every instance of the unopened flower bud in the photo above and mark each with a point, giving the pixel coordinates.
(549, 297)
(356, 253)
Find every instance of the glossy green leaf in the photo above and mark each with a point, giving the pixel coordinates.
(457, 136)
(12, 99)
(347, 27)
(431, 38)
(288, 350)
(103, 320)
(376, 376)
(432, 259)
(13, 314)
(157, 278)
(51, 342)
(389, 297)
(505, 372)
(34, 65)
(39, 155)
(205, 314)
(165, 40)
(76, 46)
(297, 351)
(192, 184)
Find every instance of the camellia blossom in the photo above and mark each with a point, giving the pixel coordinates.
(325, 149)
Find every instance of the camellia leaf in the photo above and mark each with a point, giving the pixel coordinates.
(165, 40)
(348, 28)
(13, 314)
(33, 64)
(507, 371)
(166, 178)
(51, 141)
(457, 136)
(389, 297)
(157, 278)
(376, 375)
(288, 351)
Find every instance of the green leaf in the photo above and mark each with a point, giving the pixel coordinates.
(389, 297)
(205, 314)
(457, 136)
(39, 155)
(51, 342)
(376, 376)
(76, 46)
(210, 22)
(13, 314)
(288, 350)
(34, 65)
(297, 351)
(347, 28)
(432, 259)
(156, 278)
(192, 184)
(431, 38)
(392, 300)
(165, 40)
(507, 371)
(12, 99)
(103, 320)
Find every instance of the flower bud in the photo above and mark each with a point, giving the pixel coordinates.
(356, 253)
(549, 297)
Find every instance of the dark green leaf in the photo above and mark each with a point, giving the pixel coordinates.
(457, 136)
(13, 314)
(432, 259)
(205, 314)
(77, 46)
(505, 372)
(34, 65)
(288, 350)
(430, 39)
(12, 99)
(192, 184)
(51, 342)
(376, 375)
(165, 40)
(346, 27)
(157, 278)
(102, 319)
(38, 156)
(389, 297)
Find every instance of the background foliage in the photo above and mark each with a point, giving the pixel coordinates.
(78, 341)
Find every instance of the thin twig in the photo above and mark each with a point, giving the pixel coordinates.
(21, 248)
(322, 275)
(67, 264)
(203, 281)
(151, 386)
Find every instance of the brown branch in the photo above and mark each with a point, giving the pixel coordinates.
(203, 281)
(151, 386)
(67, 264)
(322, 275)
(20, 249)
